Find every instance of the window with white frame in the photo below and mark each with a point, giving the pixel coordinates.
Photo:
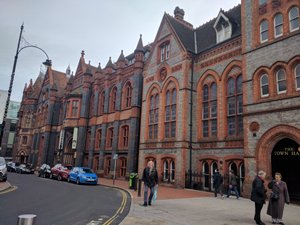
(264, 85)
(166, 170)
(294, 18)
(223, 28)
(297, 76)
(278, 25)
(281, 81)
(164, 51)
(172, 171)
(264, 29)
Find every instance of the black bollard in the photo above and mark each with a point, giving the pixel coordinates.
(139, 188)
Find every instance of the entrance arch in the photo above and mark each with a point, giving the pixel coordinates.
(285, 160)
(289, 135)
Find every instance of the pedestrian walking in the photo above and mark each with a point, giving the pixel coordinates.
(150, 179)
(218, 183)
(279, 196)
(232, 184)
(258, 195)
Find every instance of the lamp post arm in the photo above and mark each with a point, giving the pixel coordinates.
(33, 46)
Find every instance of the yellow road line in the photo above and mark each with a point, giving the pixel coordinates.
(120, 209)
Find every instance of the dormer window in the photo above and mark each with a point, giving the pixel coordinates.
(223, 28)
(164, 51)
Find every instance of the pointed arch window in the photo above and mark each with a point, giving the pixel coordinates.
(264, 29)
(278, 25)
(124, 136)
(297, 76)
(281, 81)
(101, 102)
(264, 85)
(294, 18)
(110, 137)
(127, 93)
(113, 99)
(234, 106)
(153, 116)
(98, 139)
(209, 111)
(170, 113)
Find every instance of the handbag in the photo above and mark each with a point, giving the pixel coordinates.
(274, 196)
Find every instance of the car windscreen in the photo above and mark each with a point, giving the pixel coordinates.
(86, 170)
(2, 161)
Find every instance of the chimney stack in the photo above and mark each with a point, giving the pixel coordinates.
(179, 13)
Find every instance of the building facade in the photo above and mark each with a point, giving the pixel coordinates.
(222, 95)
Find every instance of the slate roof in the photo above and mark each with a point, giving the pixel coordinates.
(205, 34)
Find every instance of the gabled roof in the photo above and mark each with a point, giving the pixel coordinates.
(204, 37)
(59, 81)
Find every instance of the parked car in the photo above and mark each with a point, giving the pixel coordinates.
(11, 166)
(3, 170)
(22, 168)
(60, 172)
(44, 171)
(83, 175)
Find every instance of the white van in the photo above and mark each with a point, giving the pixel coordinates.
(3, 169)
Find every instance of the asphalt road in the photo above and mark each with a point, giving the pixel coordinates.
(61, 203)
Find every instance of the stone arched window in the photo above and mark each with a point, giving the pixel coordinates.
(234, 106)
(209, 110)
(264, 85)
(98, 139)
(124, 137)
(297, 76)
(294, 18)
(153, 115)
(170, 113)
(281, 81)
(101, 102)
(113, 100)
(110, 137)
(278, 25)
(264, 31)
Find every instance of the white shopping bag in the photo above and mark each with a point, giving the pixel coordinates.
(155, 193)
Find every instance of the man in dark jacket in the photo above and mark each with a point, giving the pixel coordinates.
(258, 195)
(217, 183)
(150, 179)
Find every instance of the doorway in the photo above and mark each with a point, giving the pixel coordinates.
(285, 160)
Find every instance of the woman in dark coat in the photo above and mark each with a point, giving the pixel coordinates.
(279, 197)
(258, 195)
(150, 178)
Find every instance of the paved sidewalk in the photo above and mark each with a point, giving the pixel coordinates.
(188, 207)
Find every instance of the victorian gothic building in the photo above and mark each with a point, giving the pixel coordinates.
(222, 95)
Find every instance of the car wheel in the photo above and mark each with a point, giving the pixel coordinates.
(39, 175)
(4, 180)
(59, 178)
(78, 181)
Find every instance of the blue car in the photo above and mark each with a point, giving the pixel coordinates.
(83, 175)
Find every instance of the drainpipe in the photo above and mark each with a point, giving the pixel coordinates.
(191, 124)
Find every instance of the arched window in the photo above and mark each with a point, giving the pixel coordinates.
(170, 113)
(123, 165)
(213, 168)
(233, 167)
(113, 99)
(172, 171)
(101, 102)
(153, 116)
(127, 95)
(264, 29)
(107, 165)
(281, 81)
(110, 137)
(297, 76)
(209, 112)
(205, 172)
(124, 136)
(98, 139)
(241, 176)
(234, 106)
(166, 170)
(294, 18)
(264, 85)
(278, 25)
(92, 105)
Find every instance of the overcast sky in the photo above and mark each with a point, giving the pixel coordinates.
(63, 28)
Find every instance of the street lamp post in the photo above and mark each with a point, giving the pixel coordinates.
(46, 63)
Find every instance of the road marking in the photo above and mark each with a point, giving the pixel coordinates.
(13, 188)
(120, 210)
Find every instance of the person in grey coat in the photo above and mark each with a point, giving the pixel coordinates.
(279, 196)
(232, 184)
